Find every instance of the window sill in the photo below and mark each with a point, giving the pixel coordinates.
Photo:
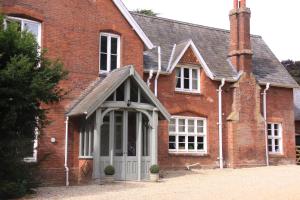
(189, 154)
(188, 93)
(85, 158)
(276, 154)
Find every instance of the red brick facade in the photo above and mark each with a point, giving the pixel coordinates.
(70, 32)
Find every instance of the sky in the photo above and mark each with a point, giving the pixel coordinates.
(277, 21)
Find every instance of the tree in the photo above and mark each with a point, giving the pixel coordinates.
(293, 68)
(27, 80)
(147, 12)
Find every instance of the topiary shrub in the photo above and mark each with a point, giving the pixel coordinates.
(154, 169)
(109, 170)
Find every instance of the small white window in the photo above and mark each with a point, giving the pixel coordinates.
(86, 141)
(187, 135)
(109, 52)
(33, 158)
(188, 79)
(275, 138)
(25, 24)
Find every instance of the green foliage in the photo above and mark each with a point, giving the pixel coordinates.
(27, 80)
(154, 169)
(109, 170)
(147, 12)
(293, 68)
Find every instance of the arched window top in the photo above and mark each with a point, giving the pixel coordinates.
(33, 27)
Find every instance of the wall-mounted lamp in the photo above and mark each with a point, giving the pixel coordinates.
(53, 140)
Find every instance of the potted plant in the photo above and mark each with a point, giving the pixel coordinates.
(109, 174)
(154, 173)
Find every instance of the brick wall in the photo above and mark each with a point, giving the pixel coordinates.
(188, 104)
(70, 32)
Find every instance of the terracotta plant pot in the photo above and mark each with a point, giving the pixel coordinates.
(154, 177)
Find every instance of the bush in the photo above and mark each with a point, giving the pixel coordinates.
(154, 169)
(109, 170)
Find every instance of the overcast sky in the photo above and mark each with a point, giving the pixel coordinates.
(277, 21)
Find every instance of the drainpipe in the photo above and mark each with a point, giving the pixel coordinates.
(66, 151)
(158, 71)
(265, 117)
(150, 77)
(220, 124)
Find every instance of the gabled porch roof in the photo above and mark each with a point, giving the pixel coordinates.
(100, 90)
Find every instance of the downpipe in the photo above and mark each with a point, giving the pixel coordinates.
(220, 124)
(158, 71)
(66, 151)
(266, 124)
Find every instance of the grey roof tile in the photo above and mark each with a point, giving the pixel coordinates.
(213, 44)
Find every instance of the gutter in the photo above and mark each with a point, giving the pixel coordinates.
(159, 70)
(265, 118)
(150, 77)
(220, 124)
(66, 151)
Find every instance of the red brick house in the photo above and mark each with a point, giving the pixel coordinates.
(146, 90)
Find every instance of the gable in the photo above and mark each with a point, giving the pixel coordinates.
(120, 5)
(189, 58)
(105, 90)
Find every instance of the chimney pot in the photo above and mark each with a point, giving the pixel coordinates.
(235, 4)
(243, 3)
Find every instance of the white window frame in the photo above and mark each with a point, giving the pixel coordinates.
(272, 137)
(23, 21)
(190, 90)
(86, 131)
(108, 53)
(186, 133)
(33, 158)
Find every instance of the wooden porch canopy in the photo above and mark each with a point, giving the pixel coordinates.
(102, 89)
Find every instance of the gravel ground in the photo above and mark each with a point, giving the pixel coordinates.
(280, 182)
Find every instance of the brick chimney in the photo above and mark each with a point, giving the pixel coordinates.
(240, 50)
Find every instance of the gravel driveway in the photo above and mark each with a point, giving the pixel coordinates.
(281, 182)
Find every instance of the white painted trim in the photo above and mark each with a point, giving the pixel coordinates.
(171, 57)
(279, 137)
(198, 55)
(108, 52)
(133, 23)
(190, 90)
(186, 135)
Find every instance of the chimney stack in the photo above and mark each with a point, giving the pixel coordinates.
(240, 50)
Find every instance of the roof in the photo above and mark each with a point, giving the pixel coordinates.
(213, 45)
(95, 95)
(297, 104)
(120, 5)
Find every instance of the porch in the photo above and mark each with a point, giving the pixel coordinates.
(119, 125)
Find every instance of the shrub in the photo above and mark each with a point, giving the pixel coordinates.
(154, 169)
(109, 170)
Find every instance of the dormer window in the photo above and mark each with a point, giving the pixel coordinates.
(109, 52)
(187, 79)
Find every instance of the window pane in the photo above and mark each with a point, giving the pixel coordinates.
(200, 139)
(276, 126)
(133, 91)
(195, 84)
(172, 144)
(118, 134)
(131, 148)
(275, 132)
(181, 123)
(181, 144)
(178, 77)
(269, 141)
(103, 44)
(10, 21)
(186, 84)
(113, 62)
(186, 73)
(105, 137)
(114, 45)
(191, 126)
(120, 93)
(194, 74)
(32, 28)
(270, 148)
(269, 132)
(103, 62)
(269, 126)
(200, 146)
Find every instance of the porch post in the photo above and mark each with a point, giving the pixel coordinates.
(111, 137)
(139, 144)
(96, 156)
(154, 133)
